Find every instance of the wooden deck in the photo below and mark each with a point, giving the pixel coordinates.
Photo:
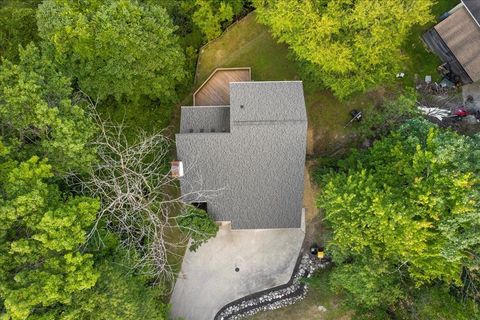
(215, 91)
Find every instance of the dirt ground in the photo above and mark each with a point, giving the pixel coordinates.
(312, 218)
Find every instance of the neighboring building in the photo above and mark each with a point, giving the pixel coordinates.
(456, 40)
(247, 159)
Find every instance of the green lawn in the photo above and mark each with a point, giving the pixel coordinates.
(247, 44)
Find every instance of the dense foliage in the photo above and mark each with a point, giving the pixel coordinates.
(18, 26)
(198, 224)
(47, 269)
(436, 303)
(119, 294)
(352, 46)
(404, 214)
(38, 117)
(113, 48)
(40, 232)
(45, 136)
(209, 17)
(379, 120)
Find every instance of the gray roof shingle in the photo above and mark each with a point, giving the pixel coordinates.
(208, 119)
(257, 168)
(267, 101)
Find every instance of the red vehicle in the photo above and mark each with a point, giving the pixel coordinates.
(461, 112)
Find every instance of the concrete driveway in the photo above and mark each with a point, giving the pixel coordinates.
(209, 280)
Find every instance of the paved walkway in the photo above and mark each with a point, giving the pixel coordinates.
(209, 280)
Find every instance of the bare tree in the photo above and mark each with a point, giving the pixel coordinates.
(140, 200)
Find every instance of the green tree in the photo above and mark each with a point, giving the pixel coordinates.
(352, 45)
(41, 230)
(114, 48)
(198, 224)
(437, 303)
(18, 26)
(408, 209)
(37, 116)
(209, 16)
(117, 295)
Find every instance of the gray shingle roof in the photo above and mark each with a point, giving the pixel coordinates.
(267, 101)
(257, 168)
(208, 119)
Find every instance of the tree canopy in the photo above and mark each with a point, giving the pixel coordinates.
(40, 232)
(351, 45)
(122, 49)
(405, 212)
(18, 26)
(119, 294)
(210, 15)
(37, 116)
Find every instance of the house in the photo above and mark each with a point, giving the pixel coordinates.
(456, 40)
(244, 162)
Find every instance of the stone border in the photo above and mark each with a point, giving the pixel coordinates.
(277, 297)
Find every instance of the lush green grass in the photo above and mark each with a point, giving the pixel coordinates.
(319, 294)
(247, 44)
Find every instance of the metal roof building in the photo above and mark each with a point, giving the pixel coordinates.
(247, 160)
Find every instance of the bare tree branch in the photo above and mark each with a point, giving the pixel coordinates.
(140, 200)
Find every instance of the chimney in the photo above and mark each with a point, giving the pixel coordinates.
(177, 169)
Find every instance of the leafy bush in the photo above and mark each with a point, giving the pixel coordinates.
(198, 224)
(404, 213)
(18, 26)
